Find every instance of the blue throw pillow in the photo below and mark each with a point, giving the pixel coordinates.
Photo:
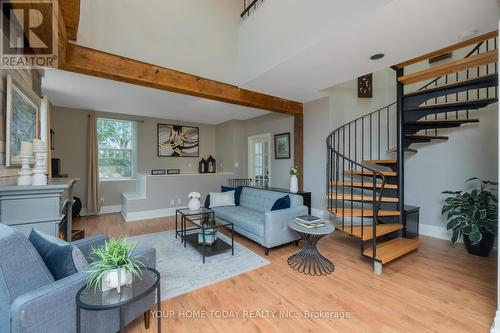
(282, 203)
(207, 201)
(62, 258)
(237, 192)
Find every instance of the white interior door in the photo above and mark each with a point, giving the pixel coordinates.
(259, 159)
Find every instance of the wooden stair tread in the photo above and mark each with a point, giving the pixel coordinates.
(358, 197)
(364, 185)
(450, 67)
(370, 173)
(450, 85)
(382, 229)
(393, 249)
(381, 161)
(358, 212)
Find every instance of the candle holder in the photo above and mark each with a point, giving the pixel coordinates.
(24, 175)
(39, 176)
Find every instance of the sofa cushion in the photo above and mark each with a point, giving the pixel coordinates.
(222, 199)
(282, 203)
(245, 218)
(263, 200)
(22, 268)
(62, 258)
(237, 192)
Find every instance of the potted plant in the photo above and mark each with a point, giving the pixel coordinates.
(194, 201)
(294, 183)
(474, 216)
(114, 265)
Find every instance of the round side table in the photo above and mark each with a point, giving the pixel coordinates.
(309, 261)
(96, 300)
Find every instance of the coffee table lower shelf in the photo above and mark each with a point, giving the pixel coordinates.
(218, 247)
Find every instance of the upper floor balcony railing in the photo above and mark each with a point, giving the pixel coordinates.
(250, 6)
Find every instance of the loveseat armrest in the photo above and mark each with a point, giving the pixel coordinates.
(276, 230)
(85, 245)
(51, 308)
(147, 256)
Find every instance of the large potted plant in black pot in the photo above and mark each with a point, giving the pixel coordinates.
(473, 215)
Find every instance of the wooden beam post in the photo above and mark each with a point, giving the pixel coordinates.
(298, 147)
(70, 10)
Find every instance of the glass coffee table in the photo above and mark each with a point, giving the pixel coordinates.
(202, 234)
(97, 300)
(182, 213)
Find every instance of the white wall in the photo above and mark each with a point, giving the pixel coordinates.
(283, 28)
(198, 37)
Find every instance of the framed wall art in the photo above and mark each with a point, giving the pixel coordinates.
(178, 141)
(282, 146)
(22, 119)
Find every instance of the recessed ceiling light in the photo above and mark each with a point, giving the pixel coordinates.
(377, 56)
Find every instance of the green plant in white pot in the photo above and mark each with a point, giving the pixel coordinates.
(474, 216)
(114, 265)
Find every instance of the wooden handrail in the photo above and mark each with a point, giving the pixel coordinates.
(451, 67)
(450, 48)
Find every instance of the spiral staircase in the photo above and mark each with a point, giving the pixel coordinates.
(365, 162)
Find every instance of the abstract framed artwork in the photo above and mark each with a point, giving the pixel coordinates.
(21, 121)
(178, 141)
(282, 146)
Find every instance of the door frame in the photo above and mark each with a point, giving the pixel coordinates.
(251, 139)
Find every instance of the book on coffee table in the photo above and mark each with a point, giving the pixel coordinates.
(308, 219)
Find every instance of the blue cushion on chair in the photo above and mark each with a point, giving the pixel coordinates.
(207, 201)
(237, 192)
(282, 203)
(62, 258)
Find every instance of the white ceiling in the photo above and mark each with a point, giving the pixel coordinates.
(402, 29)
(71, 90)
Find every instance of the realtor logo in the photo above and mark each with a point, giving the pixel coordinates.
(29, 33)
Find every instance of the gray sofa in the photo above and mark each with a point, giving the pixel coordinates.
(254, 219)
(31, 301)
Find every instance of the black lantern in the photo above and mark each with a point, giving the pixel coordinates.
(211, 166)
(202, 166)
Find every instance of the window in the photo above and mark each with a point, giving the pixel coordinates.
(117, 142)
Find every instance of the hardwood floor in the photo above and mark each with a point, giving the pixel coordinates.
(438, 288)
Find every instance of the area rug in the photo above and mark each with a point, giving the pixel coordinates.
(182, 269)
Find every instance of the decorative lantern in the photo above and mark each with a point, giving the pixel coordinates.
(202, 166)
(211, 166)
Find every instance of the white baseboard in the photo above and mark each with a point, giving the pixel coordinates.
(436, 232)
(104, 210)
(495, 328)
(149, 214)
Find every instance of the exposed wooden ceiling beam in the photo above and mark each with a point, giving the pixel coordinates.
(109, 66)
(450, 48)
(70, 10)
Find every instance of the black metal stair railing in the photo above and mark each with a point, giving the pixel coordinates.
(249, 6)
(365, 138)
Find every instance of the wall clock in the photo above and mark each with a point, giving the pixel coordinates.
(365, 87)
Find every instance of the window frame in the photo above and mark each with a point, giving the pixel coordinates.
(133, 151)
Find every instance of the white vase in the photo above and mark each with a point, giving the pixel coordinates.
(115, 279)
(294, 184)
(194, 204)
